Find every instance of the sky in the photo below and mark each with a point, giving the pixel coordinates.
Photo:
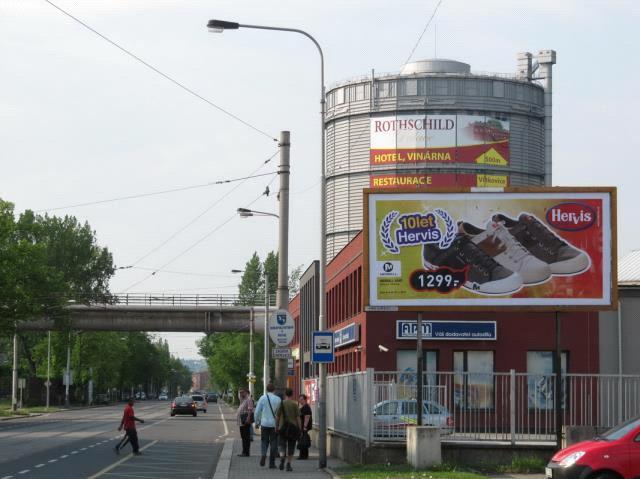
(81, 121)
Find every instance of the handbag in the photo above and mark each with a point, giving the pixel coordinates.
(305, 441)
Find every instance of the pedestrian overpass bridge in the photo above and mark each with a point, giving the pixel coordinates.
(160, 312)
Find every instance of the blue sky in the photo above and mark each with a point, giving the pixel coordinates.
(81, 121)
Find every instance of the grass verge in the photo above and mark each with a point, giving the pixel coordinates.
(380, 471)
(5, 410)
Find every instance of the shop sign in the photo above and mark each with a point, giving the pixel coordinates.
(416, 140)
(448, 330)
(541, 248)
(347, 335)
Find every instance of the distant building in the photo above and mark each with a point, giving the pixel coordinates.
(200, 380)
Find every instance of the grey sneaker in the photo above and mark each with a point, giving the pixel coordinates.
(542, 243)
(498, 243)
(483, 273)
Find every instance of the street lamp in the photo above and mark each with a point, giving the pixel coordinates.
(246, 213)
(219, 26)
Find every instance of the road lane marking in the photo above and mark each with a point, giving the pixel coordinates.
(224, 422)
(39, 466)
(53, 460)
(6, 477)
(117, 463)
(64, 456)
(224, 462)
(25, 471)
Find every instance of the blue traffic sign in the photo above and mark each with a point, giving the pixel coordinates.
(322, 347)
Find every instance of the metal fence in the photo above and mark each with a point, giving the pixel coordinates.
(499, 407)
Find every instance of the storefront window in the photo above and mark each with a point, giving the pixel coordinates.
(473, 379)
(540, 379)
(407, 379)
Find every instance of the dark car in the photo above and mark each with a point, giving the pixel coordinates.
(184, 405)
(212, 397)
(614, 454)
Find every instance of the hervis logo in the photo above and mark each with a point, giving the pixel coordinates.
(571, 216)
(389, 268)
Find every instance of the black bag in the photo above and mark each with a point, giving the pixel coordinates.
(246, 417)
(305, 441)
(289, 430)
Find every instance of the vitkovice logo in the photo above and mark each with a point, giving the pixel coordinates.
(571, 216)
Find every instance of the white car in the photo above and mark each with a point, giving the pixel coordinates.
(201, 402)
(391, 417)
(163, 397)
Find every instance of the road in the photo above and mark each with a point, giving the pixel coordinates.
(80, 444)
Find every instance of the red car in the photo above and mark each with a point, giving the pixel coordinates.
(613, 455)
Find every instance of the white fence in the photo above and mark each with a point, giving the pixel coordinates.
(506, 407)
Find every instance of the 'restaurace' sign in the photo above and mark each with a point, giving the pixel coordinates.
(423, 139)
(547, 248)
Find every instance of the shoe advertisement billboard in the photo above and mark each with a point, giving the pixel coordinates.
(548, 249)
(412, 140)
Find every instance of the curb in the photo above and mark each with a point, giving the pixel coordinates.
(22, 416)
(332, 473)
(224, 461)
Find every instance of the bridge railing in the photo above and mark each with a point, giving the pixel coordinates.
(161, 299)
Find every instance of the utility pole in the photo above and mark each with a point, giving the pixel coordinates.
(251, 376)
(48, 367)
(265, 362)
(283, 249)
(68, 373)
(14, 378)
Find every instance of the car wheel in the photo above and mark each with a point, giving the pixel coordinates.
(606, 475)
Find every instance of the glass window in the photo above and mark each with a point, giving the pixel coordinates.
(409, 407)
(359, 93)
(410, 87)
(386, 89)
(387, 409)
(339, 96)
(441, 87)
(473, 381)
(540, 379)
(498, 89)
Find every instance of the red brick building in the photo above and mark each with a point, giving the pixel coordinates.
(523, 341)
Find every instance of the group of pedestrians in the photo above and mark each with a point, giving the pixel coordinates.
(284, 423)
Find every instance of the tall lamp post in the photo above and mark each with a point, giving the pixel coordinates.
(247, 213)
(220, 26)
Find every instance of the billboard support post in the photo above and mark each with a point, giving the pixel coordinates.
(558, 393)
(419, 368)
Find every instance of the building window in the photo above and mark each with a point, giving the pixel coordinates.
(407, 379)
(386, 89)
(540, 379)
(359, 93)
(339, 96)
(473, 379)
(410, 87)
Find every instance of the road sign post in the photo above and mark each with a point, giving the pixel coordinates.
(322, 350)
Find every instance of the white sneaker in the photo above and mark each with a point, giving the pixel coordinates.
(498, 243)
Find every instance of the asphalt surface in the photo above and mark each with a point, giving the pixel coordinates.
(80, 444)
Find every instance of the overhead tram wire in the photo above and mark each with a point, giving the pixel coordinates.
(193, 245)
(162, 74)
(435, 10)
(155, 193)
(205, 211)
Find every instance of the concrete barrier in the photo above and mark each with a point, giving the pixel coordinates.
(423, 446)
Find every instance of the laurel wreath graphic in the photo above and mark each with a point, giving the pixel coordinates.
(450, 229)
(385, 232)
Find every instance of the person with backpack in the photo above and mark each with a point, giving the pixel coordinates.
(265, 416)
(288, 428)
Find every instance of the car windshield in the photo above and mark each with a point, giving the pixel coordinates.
(621, 430)
(197, 398)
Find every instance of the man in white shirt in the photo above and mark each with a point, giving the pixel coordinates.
(265, 415)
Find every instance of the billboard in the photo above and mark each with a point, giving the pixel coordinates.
(412, 140)
(541, 248)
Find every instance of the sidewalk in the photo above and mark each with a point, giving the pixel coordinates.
(249, 467)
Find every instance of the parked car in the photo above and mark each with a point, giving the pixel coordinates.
(201, 402)
(141, 396)
(212, 397)
(184, 405)
(163, 397)
(391, 417)
(612, 455)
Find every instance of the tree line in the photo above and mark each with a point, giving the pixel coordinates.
(46, 263)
